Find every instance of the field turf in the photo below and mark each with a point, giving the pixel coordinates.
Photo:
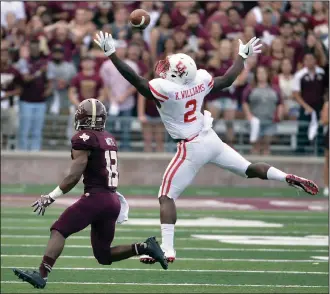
(204, 264)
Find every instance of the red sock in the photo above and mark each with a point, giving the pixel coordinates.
(46, 266)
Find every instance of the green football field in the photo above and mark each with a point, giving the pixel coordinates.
(218, 251)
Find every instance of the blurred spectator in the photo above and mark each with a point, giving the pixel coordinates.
(275, 57)
(137, 38)
(266, 29)
(152, 126)
(82, 27)
(325, 123)
(180, 40)
(285, 82)
(262, 105)
(120, 28)
(224, 100)
(309, 91)
(181, 12)
(35, 30)
(254, 16)
(292, 49)
(314, 46)
(150, 7)
(62, 37)
(234, 29)
(220, 16)
(103, 15)
(11, 81)
(196, 35)
(169, 48)
(63, 10)
(213, 43)
(86, 84)
(134, 53)
(159, 34)
(319, 14)
(296, 13)
(36, 88)
(14, 7)
(210, 7)
(62, 72)
(120, 93)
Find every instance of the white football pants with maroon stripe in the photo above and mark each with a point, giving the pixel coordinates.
(207, 147)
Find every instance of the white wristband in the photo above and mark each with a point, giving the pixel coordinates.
(56, 193)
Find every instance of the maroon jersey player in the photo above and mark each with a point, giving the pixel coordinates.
(94, 155)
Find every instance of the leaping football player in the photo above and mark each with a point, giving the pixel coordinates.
(94, 155)
(179, 94)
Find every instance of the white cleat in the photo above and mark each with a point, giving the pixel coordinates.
(326, 191)
(169, 254)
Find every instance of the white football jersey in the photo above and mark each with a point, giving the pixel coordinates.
(181, 105)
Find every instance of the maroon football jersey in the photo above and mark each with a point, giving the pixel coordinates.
(87, 86)
(101, 173)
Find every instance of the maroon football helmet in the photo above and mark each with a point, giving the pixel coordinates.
(91, 114)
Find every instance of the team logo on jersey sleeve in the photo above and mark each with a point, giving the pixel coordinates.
(84, 136)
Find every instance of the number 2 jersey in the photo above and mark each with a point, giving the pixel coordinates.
(181, 105)
(101, 173)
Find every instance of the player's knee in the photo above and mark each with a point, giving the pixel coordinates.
(258, 170)
(164, 198)
(103, 257)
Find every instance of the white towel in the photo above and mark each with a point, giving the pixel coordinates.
(55, 106)
(124, 209)
(313, 126)
(114, 109)
(208, 121)
(254, 129)
(5, 102)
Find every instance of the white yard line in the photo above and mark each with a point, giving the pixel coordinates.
(123, 229)
(175, 284)
(81, 237)
(174, 270)
(186, 248)
(182, 258)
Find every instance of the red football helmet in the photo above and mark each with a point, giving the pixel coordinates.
(90, 114)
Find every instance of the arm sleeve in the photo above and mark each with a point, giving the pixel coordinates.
(296, 82)
(157, 90)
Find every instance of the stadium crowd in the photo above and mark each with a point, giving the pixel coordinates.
(49, 64)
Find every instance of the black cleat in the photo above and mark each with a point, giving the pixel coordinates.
(32, 277)
(153, 250)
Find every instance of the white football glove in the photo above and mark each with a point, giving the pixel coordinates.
(250, 48)
(106, 43)
(41, 204)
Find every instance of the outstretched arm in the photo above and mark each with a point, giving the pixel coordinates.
(107, 44)
(140, 83)
(80, 159)
(231, 75)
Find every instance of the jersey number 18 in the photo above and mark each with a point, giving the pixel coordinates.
(112, 168)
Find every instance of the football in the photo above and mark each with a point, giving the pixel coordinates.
(139, 18)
